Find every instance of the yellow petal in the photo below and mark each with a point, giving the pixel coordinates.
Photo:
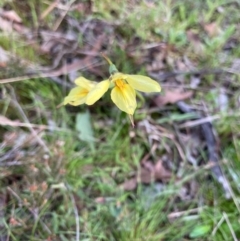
(77, 95)
(97, 92)
(124, 98)
(77, 102)
(84, 83)
(118, 76)
(143, 83)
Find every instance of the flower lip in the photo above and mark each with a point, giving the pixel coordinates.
(120, 83)
(124, 98)
(138, 82)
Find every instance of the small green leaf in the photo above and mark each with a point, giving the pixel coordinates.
(177, 117)
(84, 127)
(200, 231)
(112, 69)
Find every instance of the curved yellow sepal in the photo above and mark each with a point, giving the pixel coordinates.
(85, 83)
(143, 83)
(76, 96)
(124, 98)
(97, 92)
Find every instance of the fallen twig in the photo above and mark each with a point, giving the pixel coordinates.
(167, 75)
(209, 137)
(175, 215)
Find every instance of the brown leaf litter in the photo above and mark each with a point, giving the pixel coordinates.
(212, 29)
(147, 174)
(172, 96)
(10, 15)
(195, 41)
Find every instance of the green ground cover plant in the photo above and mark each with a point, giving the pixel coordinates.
(84, 172)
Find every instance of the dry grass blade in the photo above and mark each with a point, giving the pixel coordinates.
(57, 24)
(3, 231)
(172, 216)
(61, 71)
(199, 122)
(20, 110)
(49, 9)
(4, 121)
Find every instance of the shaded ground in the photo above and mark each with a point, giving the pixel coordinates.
(83, 173)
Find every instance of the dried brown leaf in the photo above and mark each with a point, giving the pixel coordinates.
(5, 25)
(143, 176)
(11, 15)
(193, 37)
(84, 7)
(146, 176)
(130, 184)
(172, 96)
(161, 173)
(5, 121)
(9, 27)
(195, 40)
(100, 200)
(4, 58)
(148, 165)
(212, 29)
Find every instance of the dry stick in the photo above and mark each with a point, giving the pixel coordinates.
(199, 122)
(6, 122)
(57, 24)
(35, 134)
(182, 213)
(211, 146)
(167, 75)
(27, 77)
(55, 73)
(49, 9)
(206, 120)
(20, 202)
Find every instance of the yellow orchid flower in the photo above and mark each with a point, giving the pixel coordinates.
(87, 92)
(123, 93)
